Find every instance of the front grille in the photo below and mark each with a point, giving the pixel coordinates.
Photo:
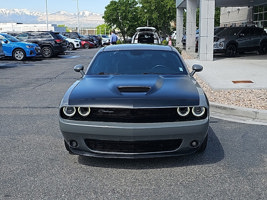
(145, 115)
(133, 146)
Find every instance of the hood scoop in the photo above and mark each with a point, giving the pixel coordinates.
(133, 89)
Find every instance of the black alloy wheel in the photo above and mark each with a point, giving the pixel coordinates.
(86, 46)
(263, 49)
(231, 50)
(19, 54)
(71, 46)
(47, 52)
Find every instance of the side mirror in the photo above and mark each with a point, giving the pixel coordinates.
(5, 41)
(196, 68)
(79, 68)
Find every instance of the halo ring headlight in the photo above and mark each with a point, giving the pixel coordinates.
(69, 111)
(183, 111)
(198, 111)
(84, 111)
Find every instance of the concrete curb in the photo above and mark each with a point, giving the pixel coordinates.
(242, 114)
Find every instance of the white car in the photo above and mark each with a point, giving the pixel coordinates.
(146, 35)
(73, 43)
(105, 40)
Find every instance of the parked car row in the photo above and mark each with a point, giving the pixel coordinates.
(234, 40)
(12, 47)
(44, 43)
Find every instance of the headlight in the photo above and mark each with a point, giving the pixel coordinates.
(198, 111)
(29, 46)
(69, 111)
(84, 111)
(183, 111)
(221, 45)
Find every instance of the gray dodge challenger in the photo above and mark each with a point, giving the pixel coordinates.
(135, 101)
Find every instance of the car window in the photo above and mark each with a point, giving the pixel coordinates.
(229, 32)
(136, 62)
(246, 32)
(11, 38)
(23, 36)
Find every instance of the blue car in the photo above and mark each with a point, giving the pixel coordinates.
(18, 50)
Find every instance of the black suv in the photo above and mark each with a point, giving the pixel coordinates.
(51, 43)
(235, 40)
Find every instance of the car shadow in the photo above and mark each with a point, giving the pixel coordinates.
(213, 154)
(254, 55)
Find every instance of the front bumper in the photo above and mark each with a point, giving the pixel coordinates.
(131, 134)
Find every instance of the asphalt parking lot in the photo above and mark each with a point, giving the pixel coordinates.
(35, 164)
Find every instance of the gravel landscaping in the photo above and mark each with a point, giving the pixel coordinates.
(246, 98)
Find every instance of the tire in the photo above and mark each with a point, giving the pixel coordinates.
(203, 146)
(263, 49)
(19, 54)
(86, 46)
(231, 50)
(47, 52)
(71, 46)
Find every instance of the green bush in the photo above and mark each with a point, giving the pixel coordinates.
(179, 50)
(164, 42)
(119, 42)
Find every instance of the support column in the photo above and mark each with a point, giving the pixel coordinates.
(191, 7)
(179, 26)
(206, 29)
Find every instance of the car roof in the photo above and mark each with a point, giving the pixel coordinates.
(122, 47)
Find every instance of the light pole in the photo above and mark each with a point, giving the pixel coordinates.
(78, 17)
(46, 15)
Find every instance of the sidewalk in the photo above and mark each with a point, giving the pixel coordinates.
(236, 87)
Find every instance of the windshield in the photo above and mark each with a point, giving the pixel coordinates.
(137, 62)
(11, 38)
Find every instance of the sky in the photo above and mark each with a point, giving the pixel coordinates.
(56, 5)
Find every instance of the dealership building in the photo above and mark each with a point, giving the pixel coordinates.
(233, 13)
(20, 27)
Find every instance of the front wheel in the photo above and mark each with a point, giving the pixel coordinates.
(47, 52)
(71, 46)
(86, 46)
(19, 54)
(231, 50)
(263, 49)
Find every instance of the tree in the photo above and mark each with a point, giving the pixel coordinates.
(159, 14)
(103, 29)
(123, 15)
(67, 28)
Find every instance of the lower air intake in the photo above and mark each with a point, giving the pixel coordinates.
(133, 146)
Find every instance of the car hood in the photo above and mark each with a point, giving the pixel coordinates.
(23, 44)
(135, 91)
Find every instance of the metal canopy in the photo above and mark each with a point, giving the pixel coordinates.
(227, 3)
